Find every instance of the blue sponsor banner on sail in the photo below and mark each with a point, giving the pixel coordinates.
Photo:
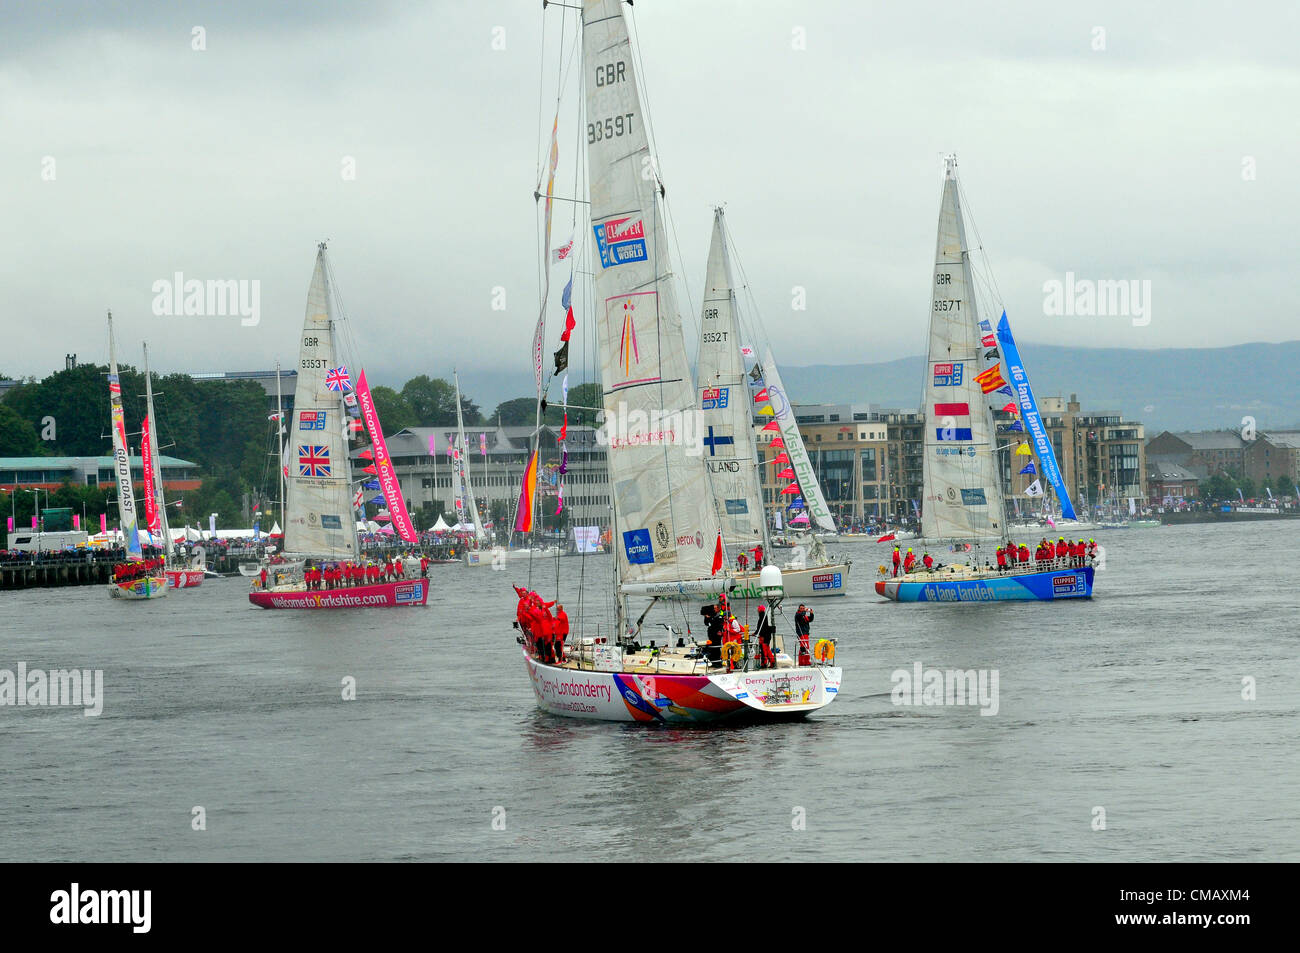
(637, 544)
(1024, 396)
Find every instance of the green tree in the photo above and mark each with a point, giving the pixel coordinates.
(1285, 486)
(1247, 487)
(18, 437)
(519, 411)
(1218, 487)
(394, 412)
(434, 402)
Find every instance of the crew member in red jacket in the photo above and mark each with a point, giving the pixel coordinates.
(927, 561)
(561, 632)
(1024, 556)
(1002, 559)
(897, 559)
(910, 562)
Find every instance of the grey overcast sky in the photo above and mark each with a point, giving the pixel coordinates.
(1169, 155)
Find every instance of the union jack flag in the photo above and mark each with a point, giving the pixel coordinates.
(313, 461)
(337, 379)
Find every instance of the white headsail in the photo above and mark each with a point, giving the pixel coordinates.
(963, 492)
(726, 409)
(783, 410)
(663, 505)
(319, 519)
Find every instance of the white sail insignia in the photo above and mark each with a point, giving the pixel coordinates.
(725, 406)
(663, 505)
(809, 486)
(319, 512)
(963, 493)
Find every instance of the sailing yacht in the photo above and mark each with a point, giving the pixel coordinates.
(667, 536)
(319, 523)
(727, 410)
(137, 577)
(177, 574)
(963, 502)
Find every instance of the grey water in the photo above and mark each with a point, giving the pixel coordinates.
(1126, 709)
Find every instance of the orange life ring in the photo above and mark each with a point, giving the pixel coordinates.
(824, 650)
(732, 651)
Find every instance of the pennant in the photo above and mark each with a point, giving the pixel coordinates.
(717, 556)
(786, 474)
(377, 500)
(779, 459)
(767, 411)
(366, 454)
(566, 296)
(370, 469)
(989, 340)
(771, 425)
(1034, 489)
(1011, 408)
(433, 444)
(1017, 426)
(560, 254)
(888, 537)
(777, 442)
(989, 355)
(482, 444)
(370, 485)
(792, 488)
(1028, 469)
(562, 357)
(761, 396)
(756, 375)
(528, 488)
(1006, 390)
(991, 379)
(1023, 450)
(564, 427)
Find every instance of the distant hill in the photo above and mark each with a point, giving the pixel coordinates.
(1166, 389)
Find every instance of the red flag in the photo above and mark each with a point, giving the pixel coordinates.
(717, 556)
(888, 537)
(777, 442)
(780, 459)
(761, 396)
(1011, 408)
(564, 429)
(792, 488)
(786, 474)
(989, 340)
(369, 469)
(367, 454)
(771, 425)
(569, 324)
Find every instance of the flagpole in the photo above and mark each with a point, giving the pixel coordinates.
(279, 431)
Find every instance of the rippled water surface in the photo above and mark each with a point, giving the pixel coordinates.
(1131, 703)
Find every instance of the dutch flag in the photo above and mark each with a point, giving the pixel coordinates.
(953, 421)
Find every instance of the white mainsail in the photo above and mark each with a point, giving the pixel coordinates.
(318, 518)
(126, 512)
(726, 409)
(804, 473)
(463, 489)
(159, 501)
(663, 505)
(962, 489)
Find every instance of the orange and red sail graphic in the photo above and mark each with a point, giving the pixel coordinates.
(524, 512)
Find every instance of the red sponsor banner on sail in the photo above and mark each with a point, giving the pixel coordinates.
(384, 465)
(150, 496)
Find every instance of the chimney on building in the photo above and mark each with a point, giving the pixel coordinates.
(69, 361)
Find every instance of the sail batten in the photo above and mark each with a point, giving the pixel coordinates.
(663, 506)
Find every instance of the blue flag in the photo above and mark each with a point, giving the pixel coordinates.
(371, 484)
(1017, 426)
(565, 295)
(1029, 468)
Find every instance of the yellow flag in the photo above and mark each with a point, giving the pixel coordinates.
(767, 412)
(1023, 450)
